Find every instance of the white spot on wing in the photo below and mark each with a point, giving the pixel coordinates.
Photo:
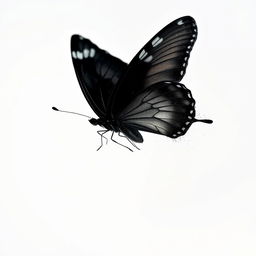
(79, 55)
(181, 72)
(74, 54)
(86, 53)
(143, 54)
(81, 38)
(92, 52)
(180, 22)
(149, 58)
(157, 41)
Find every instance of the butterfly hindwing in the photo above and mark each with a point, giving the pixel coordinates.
(97, 71)
(165, 108)
(163, 58)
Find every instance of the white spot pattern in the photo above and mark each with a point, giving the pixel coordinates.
(186, 125)
(143, 54)
(74, 54)
(149, 58)
(79, 55)
(92, 52)
(86, 53)
(157, 41)
(180, 22)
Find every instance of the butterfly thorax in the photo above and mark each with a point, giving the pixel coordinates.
(106, 123)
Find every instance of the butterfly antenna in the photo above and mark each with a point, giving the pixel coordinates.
(69, 112)
(207, 121)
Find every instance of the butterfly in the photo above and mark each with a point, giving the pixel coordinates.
(144, 95)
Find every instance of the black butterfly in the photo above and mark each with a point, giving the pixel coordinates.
(144, 95)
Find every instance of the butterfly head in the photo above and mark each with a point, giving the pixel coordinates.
(93, 121)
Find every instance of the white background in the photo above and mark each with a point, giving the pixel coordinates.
(191, 196)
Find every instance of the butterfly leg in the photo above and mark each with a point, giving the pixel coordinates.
(118, 142)
(101, 132)
(123, 136)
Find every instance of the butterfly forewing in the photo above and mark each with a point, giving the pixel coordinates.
(170, 56)
(97, 71)
(163, 58)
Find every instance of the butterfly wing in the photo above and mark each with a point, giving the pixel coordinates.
(97, 72)
(163, 58)
(165, 108)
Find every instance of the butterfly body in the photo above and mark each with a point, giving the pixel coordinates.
(111, 125)
(146, 94)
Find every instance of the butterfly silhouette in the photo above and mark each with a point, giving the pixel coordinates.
(144, 95)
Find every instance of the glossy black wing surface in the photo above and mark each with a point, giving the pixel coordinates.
(165, 108)
(97, 72)
(163, 58)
